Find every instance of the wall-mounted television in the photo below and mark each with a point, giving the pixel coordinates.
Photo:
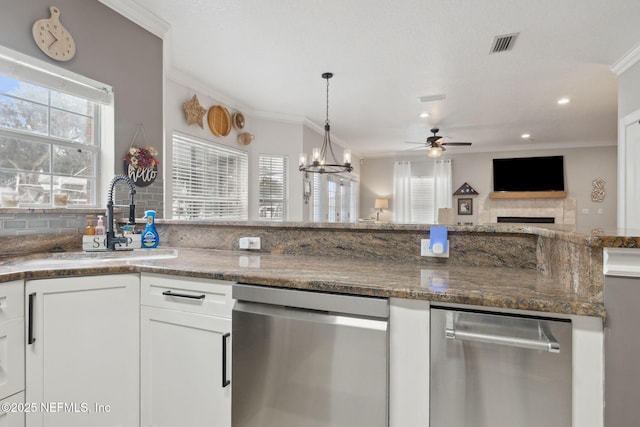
(529, 174)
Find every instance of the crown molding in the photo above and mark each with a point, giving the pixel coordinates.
(627, 61)
(139, 15)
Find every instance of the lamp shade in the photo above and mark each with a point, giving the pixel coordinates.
(382, 204)
(434, 151)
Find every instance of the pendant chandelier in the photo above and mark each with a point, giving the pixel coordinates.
(319, 162)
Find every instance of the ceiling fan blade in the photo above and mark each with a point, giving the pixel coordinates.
(416, 148)
(411, 142)
(455, 143)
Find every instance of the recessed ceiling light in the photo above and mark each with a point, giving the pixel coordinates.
(424, 115)
(563, 101)
(525, 136)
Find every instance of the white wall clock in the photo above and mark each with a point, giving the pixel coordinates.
(52, 38)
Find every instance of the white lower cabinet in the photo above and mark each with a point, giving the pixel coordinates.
(12, 354)
(82, 351)
(185, 352)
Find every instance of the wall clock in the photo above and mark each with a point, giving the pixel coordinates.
(52, 38)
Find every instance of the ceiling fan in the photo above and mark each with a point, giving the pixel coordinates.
(435, 144)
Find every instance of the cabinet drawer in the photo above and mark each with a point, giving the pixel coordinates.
(11, 300)
(14, 417)
(11, 357)
(211, 297)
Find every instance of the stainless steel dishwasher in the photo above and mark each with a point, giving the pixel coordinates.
(495, 370)
(308, 359)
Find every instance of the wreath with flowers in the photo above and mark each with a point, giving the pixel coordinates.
(142, 157)
(141, 165)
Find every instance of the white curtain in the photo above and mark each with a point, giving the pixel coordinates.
(402, 192)
(443, 197)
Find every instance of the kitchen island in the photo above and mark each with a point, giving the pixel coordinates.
(551, 269)
(550, 272)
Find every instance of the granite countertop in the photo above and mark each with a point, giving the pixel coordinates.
(494, 287)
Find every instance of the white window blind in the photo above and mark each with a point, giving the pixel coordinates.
(22, 67)
(422, 200)
(208, 180)
(273, 183)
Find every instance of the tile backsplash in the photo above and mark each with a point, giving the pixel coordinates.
(26, 221)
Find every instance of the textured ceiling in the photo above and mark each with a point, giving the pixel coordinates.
(269, 55)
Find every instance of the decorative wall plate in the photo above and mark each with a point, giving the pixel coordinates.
(219, 120)
(245, 138)
(238, 120)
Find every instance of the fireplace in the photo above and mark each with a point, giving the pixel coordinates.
(530, 210)
(527, 219)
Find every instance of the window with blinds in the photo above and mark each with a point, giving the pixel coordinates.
(272, 176)
(422, 198)
(50, 133)
(209, 181)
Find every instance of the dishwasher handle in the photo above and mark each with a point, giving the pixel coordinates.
(549, 344)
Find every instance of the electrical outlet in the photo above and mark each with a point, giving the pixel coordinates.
(249, 243)
(425, 251)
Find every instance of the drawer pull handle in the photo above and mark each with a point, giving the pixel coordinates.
(225, 381)
(174, 294)
(31, 339)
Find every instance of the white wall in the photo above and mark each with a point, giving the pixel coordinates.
(582, 166)
(629, 91)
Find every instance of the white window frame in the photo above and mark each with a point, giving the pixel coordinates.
(208, 198)
(25, 68)
(273, 166)
(334, 198)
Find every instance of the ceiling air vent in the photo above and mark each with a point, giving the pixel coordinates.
(430, 98)
(503, 43)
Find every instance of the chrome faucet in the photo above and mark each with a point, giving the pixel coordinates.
(112, 240)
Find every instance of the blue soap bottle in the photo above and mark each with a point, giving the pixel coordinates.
(150, 238)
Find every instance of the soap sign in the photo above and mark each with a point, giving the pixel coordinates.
(141, 165)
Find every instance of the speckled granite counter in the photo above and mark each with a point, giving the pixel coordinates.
(499, 287)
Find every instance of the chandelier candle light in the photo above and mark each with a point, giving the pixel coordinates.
(318, 162)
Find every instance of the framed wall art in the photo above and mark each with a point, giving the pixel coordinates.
(465, 206)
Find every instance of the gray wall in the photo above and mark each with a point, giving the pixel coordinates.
(582, 165)
(110, 49)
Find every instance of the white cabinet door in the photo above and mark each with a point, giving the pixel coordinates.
(183, 372)
(82, 356)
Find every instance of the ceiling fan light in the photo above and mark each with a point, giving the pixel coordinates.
(434, 151)
(424, 115)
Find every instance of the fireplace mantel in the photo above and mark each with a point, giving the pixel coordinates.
(528, 195)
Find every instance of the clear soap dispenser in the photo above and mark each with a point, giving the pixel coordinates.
(90, 230)
(100, 231)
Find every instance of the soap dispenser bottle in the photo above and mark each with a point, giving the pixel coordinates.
(100, 231)
(90, 230)
(150, 238)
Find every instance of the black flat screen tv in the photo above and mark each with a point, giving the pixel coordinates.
(529, 174)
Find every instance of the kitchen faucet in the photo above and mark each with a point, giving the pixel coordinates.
(112, 240)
